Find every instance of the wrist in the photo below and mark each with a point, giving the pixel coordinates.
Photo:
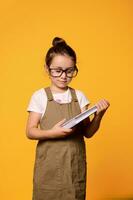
(48, 134)
(98, 116)
(51, 133)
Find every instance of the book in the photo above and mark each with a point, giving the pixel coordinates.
(80, 117)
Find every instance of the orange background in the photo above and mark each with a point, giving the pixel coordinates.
(101, 34)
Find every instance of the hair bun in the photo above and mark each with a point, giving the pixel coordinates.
(58, 41)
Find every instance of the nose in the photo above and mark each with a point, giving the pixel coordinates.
(63, 75)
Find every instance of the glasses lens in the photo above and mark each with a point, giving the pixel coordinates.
(55, 72)
(72, 72)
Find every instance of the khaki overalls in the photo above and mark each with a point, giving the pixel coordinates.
(60, 164)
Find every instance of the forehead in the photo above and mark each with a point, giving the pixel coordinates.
(62, 61)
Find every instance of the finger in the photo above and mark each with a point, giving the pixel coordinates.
(68, 130)
(99, 106)
(103, 105)
(61, 122)
(107, 102)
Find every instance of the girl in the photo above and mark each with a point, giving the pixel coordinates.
(60, 163)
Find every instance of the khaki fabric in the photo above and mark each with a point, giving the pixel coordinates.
(60, 164)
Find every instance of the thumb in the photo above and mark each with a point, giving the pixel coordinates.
(61, 122)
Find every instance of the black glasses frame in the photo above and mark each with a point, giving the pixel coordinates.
(64, 70)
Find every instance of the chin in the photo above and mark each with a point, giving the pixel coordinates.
(62, 86)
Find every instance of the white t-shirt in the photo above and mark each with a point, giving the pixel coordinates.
(38, 101)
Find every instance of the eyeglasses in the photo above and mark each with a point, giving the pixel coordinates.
(57, 72)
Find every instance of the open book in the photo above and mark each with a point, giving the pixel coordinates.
(75, 120)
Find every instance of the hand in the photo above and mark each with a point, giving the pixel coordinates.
(59, 132)
(102, 106)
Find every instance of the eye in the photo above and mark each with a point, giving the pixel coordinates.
(70, 70)
(58, 70)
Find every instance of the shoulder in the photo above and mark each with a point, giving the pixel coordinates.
(39, 94)
(79, 92)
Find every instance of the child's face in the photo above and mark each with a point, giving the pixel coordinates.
(61, 62)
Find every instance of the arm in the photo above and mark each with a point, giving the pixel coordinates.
(91, 127)
(33, 132)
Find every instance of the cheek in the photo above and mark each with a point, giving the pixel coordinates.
(69, 79)
(53, 79)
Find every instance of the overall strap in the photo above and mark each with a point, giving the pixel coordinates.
(49, 93)
(73, 93)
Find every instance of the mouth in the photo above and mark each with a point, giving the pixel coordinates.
(63, 81)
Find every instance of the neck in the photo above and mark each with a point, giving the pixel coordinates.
(57, 89)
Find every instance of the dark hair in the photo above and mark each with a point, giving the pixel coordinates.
(59, 47)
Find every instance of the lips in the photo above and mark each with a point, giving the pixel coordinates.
(63, 81)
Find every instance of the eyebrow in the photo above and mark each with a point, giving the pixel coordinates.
(57, 67)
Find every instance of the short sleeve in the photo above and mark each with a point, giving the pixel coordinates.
(35, 103)
(83, 100)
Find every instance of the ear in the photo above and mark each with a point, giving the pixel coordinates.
(46, 68)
